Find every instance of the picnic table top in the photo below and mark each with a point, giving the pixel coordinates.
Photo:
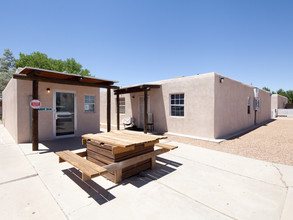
(122, 138)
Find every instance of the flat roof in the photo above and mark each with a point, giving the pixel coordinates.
(32, 73)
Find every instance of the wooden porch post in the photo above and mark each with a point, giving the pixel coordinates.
(118, 111)
(145, 110)
(108, 109)
(35, 118)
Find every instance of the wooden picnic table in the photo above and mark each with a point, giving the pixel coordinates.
(116, 154)
(124, 138)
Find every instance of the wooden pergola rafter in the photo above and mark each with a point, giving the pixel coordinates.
(37, 75)
(138, 88)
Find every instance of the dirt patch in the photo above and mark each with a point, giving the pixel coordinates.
(272, 142)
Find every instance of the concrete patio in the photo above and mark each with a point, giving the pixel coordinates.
(188, 183)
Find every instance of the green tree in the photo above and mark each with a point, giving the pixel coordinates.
(7, 68)
(42, 61)
(266, 89)
(289, 95)
(7, 62)
(281, 92)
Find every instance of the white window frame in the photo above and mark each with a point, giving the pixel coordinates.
(180, 105)
(94, 103)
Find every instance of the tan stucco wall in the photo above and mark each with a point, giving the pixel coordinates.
(231, 101)
(198, 119)
(85, 122)
(265, 107)
(277, 101)
(212, 109)
(9, 117)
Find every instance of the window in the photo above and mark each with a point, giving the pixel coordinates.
(89, 103)
(248, 105)
(177, 105)
(122, 105)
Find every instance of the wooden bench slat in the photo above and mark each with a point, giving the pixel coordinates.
(136, 136)
(87, 164)
(131, 138)
(125, 163)
(89, 168)
(166, 146)
(108, 140)
(120, 139)
(142, 135)
(76, 162)
(147, 141)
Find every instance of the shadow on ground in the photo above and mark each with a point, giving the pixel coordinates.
(73, 143)
(94, 190)
(102, 195)
(246, 131)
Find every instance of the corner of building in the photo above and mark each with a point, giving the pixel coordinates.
(9, 97)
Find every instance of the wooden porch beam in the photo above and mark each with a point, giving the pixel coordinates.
(145, 111)
(118, 111)
(108, 109)
(62, 81)
(135, 89)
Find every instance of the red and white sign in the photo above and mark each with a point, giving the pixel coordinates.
(35, 104)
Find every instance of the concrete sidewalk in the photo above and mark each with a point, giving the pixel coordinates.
(23, 194)
(188, 183)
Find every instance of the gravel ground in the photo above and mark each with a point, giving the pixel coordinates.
(272, 142)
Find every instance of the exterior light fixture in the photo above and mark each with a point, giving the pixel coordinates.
(48, 90)
(222, 79)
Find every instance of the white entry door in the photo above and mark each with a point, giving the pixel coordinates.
(141, 111)
(64, 113)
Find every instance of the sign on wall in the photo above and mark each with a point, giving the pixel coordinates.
(35, 104)
(86, 107)
(45, 109)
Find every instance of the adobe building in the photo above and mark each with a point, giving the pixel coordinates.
(70, 104)
(209, 106)
(278, 102)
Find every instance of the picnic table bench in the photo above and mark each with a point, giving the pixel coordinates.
(116, 155)
(88, 168)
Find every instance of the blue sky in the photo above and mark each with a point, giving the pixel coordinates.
(141, 41)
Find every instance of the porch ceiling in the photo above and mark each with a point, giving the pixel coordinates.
(31, 73)
(137, 88)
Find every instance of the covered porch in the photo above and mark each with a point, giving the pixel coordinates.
(36, 75)
(145, 89)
